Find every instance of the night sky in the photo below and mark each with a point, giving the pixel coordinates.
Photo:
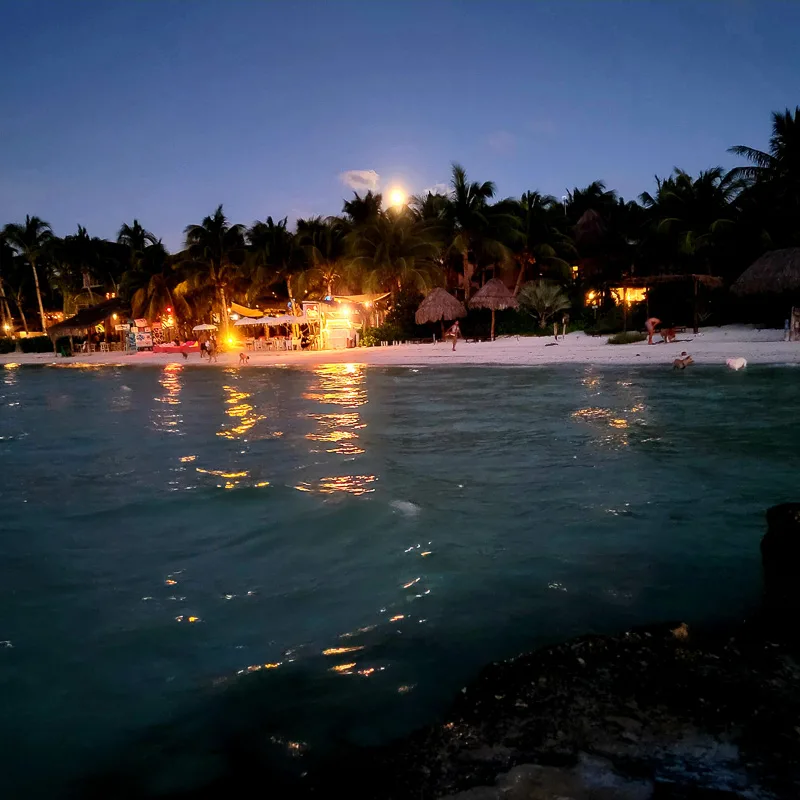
(162, 110)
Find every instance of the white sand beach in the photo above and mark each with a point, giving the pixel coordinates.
(710, 346)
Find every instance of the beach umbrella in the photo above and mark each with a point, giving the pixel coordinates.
(775, 272)
(204, 327)
(240, 323)
(439, 306)
(494, 295)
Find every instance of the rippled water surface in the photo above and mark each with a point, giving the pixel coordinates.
(327, 555)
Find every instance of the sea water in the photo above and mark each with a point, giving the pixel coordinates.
(309, 557)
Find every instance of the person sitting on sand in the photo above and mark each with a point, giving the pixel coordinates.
(453, 331)
(651, 326)
(683, 361)
(243, 359)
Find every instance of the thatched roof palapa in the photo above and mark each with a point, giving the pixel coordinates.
(494, 295)
(439, 306)
(87, 318)
(775, 272)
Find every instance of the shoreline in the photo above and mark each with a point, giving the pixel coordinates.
(711, 346)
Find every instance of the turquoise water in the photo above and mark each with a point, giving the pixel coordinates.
(317, 557)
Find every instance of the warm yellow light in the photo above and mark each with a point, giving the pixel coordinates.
(6, 327)
(397, 197)
(231, 340)
(114, 316)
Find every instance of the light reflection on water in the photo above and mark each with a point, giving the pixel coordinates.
(401, 526)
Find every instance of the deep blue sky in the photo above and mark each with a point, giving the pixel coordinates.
(161, 110)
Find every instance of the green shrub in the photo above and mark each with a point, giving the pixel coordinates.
(629, 337)
(388, 332)
(36, 344)
(7, 345)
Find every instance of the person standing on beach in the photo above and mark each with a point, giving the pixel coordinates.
(454, 330)
(651, 326)
(212, 348)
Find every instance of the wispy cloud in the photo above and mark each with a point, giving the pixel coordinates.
(360, 179)
(502, 142)
(437, 188)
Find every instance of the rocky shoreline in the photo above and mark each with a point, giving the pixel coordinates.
(661, 712)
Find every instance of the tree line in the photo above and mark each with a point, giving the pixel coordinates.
(716, 222)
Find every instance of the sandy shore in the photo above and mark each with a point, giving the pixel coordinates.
(710, 346)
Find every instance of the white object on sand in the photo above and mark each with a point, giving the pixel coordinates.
(737, 363)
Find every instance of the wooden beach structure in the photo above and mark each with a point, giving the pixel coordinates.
(495, 296)
(87, 319)
(777, 272)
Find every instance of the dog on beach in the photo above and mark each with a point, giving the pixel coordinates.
(243, 359)
(683, 361)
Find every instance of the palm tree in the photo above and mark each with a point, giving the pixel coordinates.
(152, 293)
(136, 239)
(690, 215)
(323, 242)
(395, 251)
(541, 242)
(771, 203)
(215, 250)
(275, 255)
(543, 299)
(30, 240)
(363, 210)
(783, 158)
(478, 228)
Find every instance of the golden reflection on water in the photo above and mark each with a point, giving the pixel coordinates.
(169, 419)
(339, 384)
(338, 432)
(242, 413)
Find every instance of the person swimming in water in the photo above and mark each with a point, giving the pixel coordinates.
(682, 361)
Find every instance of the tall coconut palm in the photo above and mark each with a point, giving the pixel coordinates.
(153, 291)
(478, 228)
(771, 204)
(274, 256)
(363, 210)
(395, 252)
(541, 242)
(215, 252)
(136, 239)
(30, 239)
(323, 243)
(690, 215)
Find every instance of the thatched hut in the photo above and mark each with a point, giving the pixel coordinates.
(86, 319)
(494, 295)
(776, 272)
(439, 306)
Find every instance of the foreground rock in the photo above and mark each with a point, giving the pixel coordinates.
(664, 712)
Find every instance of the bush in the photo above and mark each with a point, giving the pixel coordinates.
(7, 346)
(629, 337)
(388, 332)
(36, 344)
